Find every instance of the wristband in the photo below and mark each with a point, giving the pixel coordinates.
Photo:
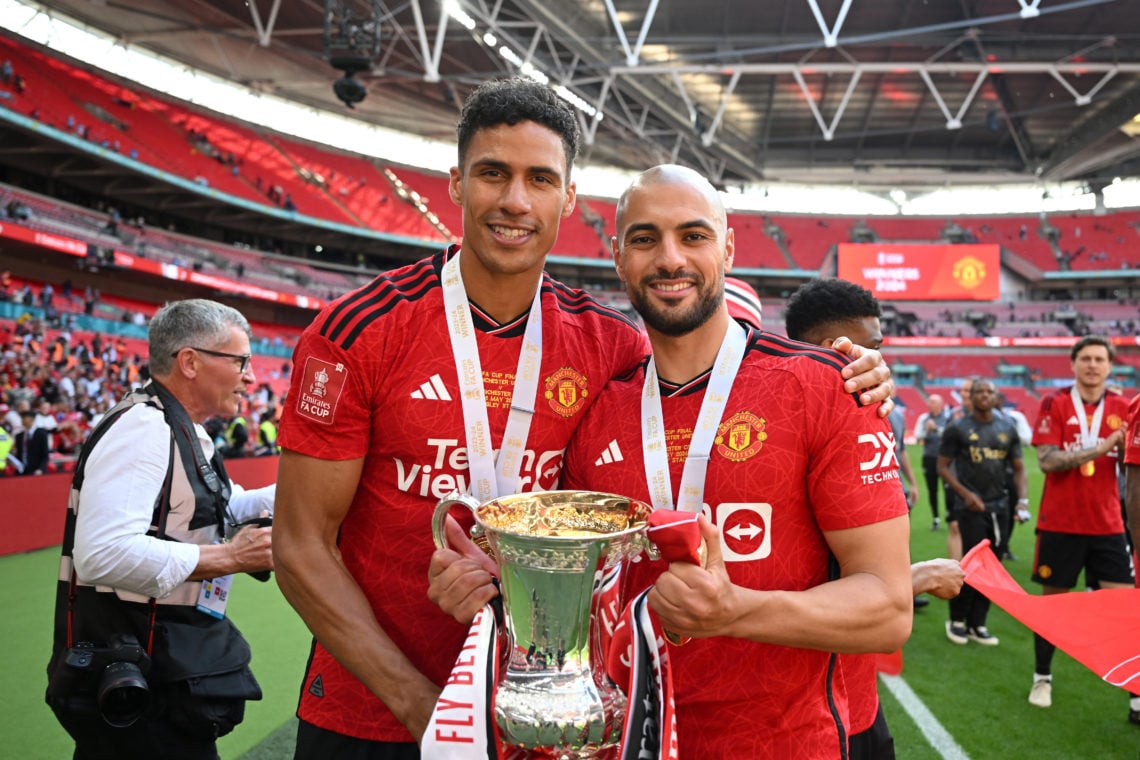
(1023, 501)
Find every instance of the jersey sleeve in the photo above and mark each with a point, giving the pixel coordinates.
(327, 414)
(1049, 427)
(853, 473)
(1132, 447)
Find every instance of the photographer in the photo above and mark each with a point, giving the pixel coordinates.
(145, 662)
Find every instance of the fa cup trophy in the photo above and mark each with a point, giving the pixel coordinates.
(560, 556)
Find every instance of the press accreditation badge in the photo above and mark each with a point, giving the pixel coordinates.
(214, 595)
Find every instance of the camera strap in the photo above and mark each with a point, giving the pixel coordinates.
(212, 484)
(161, 511)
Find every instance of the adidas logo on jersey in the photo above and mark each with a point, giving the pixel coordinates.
(433, 390)
(1073, 421)
(611, 454)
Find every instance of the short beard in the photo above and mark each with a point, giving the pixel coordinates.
(676, 321)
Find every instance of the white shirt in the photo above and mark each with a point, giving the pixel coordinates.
(122, 479)
(1024, 430)
(920, 426)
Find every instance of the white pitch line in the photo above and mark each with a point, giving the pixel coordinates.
(934, 732)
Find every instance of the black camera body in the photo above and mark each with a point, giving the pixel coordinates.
(264, 521)
(110, 680)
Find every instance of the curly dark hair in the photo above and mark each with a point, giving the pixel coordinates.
(511, 101)
(825, 302)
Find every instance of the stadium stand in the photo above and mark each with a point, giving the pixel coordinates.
(754, 246)
(1104, 242)
(809, 239)
(908, 229)
(1016, 234)
(433, 188)
(257, 166)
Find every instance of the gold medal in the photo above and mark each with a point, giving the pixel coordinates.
(1087, 469)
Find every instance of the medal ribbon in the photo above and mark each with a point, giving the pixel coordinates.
(691, 494)
(489, 479)
(1090, 434)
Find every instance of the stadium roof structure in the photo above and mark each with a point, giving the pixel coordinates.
(872, 93)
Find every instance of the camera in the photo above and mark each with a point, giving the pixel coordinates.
(110, 680)
(265, 521)
(349, 90)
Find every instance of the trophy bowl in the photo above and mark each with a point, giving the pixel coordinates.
(560, 556)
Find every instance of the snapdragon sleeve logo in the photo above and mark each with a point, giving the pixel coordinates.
(566, 391)
(321, 387)
(740, 437)
(878, 461)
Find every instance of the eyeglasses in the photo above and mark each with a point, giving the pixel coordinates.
(244, 358)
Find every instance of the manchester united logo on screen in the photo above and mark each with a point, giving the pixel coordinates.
(969, 272)
(566, 391)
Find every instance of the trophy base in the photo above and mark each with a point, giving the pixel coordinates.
(565, 716)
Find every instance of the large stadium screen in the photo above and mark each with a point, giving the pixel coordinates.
(923, 272)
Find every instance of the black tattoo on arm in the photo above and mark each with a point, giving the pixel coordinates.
(1053, 459)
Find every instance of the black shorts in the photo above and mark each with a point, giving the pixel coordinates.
(1060, 557)
(876, 743)
(315, 743)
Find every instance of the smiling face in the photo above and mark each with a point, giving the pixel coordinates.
(216, 383)
(514, 192)
(1091, 367)
(673, 249)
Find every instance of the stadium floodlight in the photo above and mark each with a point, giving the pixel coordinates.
(352, 43)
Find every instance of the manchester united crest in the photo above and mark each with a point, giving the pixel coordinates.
(969, 272)
(740, 437)
(566, 391)
(1114, 422)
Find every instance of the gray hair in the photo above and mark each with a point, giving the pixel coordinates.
(193, 322)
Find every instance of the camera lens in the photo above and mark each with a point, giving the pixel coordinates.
(123, 694)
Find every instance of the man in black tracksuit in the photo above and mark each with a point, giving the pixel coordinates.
(979, 445)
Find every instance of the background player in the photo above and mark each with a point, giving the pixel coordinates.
(980, 446)
(1079, 526)
(818, 312)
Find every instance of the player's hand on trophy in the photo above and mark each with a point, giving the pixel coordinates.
(868, 373)
(461, 579)
(696, 601)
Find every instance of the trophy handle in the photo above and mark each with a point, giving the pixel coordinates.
(440, 516)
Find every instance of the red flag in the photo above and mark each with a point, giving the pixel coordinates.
(889, 664)
(1099, 629)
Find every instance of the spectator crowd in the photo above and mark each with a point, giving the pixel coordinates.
(61, 382)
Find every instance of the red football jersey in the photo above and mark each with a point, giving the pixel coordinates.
(1086, 499)
(794, 456)
(1132, 457)
(374, 377)
(860, 679)
(1132, 450)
